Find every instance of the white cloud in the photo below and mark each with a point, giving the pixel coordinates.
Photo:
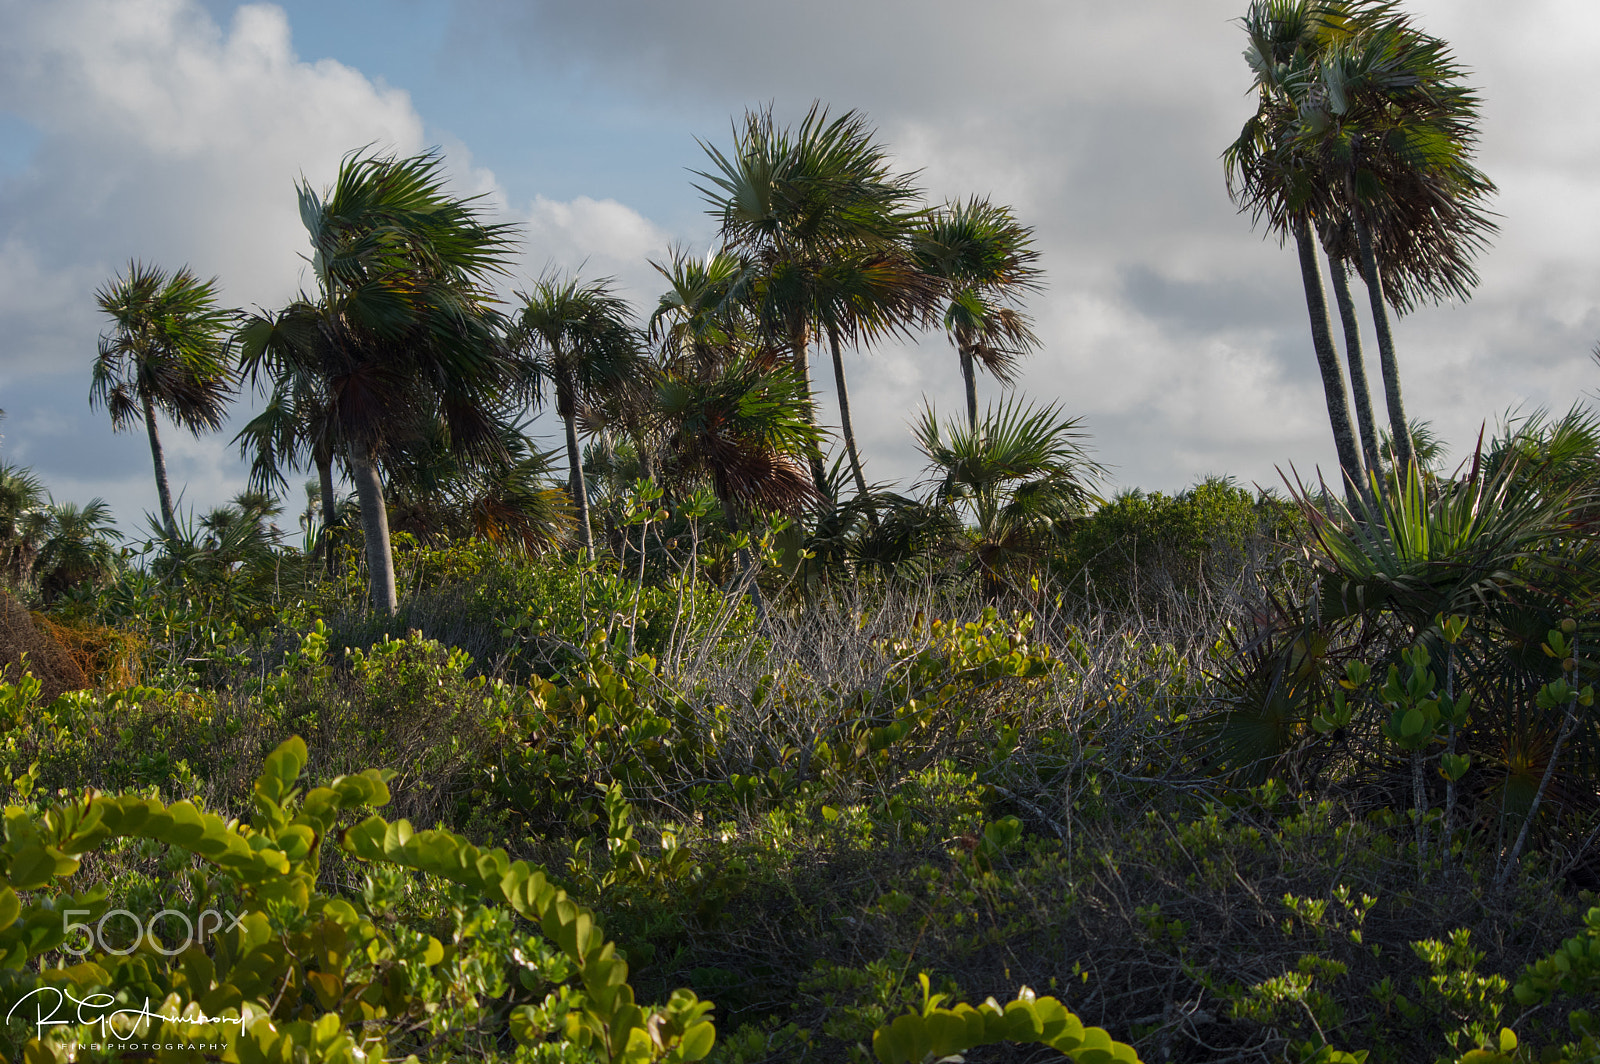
(169, 138)
(1175, 330)
(595, 238)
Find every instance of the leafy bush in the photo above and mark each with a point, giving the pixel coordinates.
(1144, 546)
(302, 974)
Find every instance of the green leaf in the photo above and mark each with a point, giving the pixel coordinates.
(698, 1041)
(1412, 723)
(282, 769)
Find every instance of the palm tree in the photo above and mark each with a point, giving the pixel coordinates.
(582, 345)
(23, 522)
(822, 222)
(985, 260)
(297, 421)
(743, 426)
(168, 350)
(1391, 129)
(1334, 239)
(77, 550)
(435, 493)
(1275, 184)
(1364, 129)
(1021, 477)
(702, 318)
(402, 335)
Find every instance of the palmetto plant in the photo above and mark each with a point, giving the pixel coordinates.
(511, 501)
(1019, 479)
(167, 351)
(1503, 554)
(743, 428)
(402, 336)
(985, 260)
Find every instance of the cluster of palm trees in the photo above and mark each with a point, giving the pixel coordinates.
(402, 371)
(49, 545)
(1361, 143)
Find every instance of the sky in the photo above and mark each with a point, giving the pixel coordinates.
(173, 132)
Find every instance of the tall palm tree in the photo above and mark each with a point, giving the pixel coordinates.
(582, 343)
(985, 260)
(1364, 129)
(167, 351)
(822, 221)
(1275, 185)
(402, 335)
(1391, 129)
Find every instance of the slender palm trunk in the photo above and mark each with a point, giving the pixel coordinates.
(324, 460)
(1358, 366)
(969, 377)
(1344, 438)
(844, 416)
(1399, 427)
(580, 491)
(799, 346)
(375, 527)
(169, 520)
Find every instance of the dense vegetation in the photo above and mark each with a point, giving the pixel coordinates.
(992, 768)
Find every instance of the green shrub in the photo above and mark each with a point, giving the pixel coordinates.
(300, 974)
(1145, 545)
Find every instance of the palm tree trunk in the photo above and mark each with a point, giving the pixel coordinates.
(580, 492)
(969, 377)
(844, 416)
(1344, 439)
(169, 520)
(799, 346)
(1358, 366)
(375, 527)
(1399, 427)
(329, 505)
